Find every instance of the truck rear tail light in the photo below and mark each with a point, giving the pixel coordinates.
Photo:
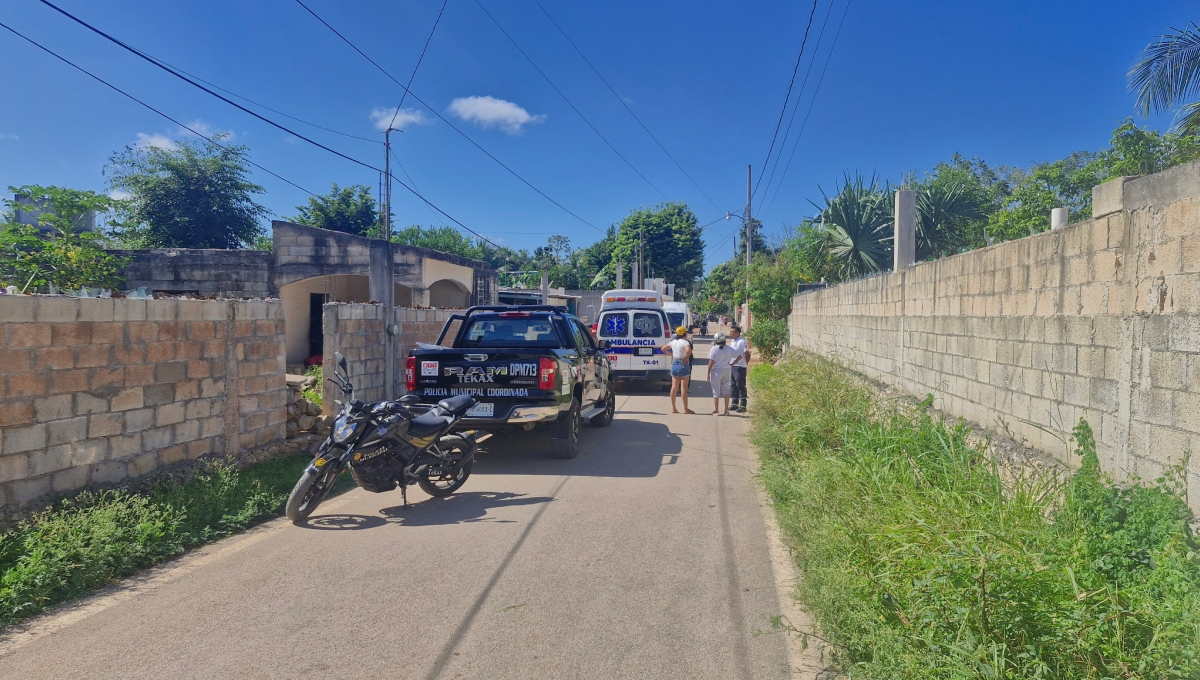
(410, 374)
(547, 368)
(641, 299)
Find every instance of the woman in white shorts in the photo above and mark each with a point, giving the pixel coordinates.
(720, 373)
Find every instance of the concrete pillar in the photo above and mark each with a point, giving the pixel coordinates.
(545, 288)
(1058, 218)
(620, 274)
(905, 242)
(383, 290)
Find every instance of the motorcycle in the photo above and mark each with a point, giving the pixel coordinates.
(387, 444)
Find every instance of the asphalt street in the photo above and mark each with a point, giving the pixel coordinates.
(647, 556)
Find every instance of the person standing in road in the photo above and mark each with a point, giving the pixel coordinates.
(681, 367)
(742, 347)
(720, 373)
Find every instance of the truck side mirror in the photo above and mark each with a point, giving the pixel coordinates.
(605, 345)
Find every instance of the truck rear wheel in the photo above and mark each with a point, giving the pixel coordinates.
(564, 436)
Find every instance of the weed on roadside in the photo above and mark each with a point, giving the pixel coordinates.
(919, 562)
(94, 538)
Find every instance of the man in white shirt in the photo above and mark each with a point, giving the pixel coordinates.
(720, 373)
(742, 347)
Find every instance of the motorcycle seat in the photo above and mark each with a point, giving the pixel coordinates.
(457, 405)
(427, 424)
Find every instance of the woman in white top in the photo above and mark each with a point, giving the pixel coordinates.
(681, 367)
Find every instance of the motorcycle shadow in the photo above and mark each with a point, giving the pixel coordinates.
(460, 508)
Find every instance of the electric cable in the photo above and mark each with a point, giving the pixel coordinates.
(104, 82)
(623, 103)
(786, 99)
(568, 101)
(413, 182)
(804, 123)
(420, 59)
(443, 118)
(799, 96)
(256, 115)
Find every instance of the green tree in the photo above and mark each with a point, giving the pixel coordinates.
(673, 244)
(772, 285)
(195, 195)
(64, 258)
(1166, 74)
(351, 210)
(441, 239)
(757, 242)
(597, 261)
(858, 219)
(808, 253)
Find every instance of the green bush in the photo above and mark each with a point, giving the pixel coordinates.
(769, 336)
(95, 538)
(918, 561)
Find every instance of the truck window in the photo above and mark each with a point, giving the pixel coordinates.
(675, 319)
(510, 332)
(582, 338)
(647, 325)
(614, 325)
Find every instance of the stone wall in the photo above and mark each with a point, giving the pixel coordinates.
(359, 332)
(94, 391)
(220, 273)
(1099, 320)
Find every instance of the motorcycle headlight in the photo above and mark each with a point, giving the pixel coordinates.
(343, 430)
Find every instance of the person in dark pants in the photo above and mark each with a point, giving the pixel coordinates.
(742, 346)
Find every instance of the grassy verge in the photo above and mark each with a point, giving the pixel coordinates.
(92, 539)
(919, 562)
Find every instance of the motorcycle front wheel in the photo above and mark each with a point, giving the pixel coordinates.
(444, 485)
(310, 490)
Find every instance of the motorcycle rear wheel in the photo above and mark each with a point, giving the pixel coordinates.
(312, 488)
(445, 485)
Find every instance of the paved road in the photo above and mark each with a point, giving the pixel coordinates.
(645, 557)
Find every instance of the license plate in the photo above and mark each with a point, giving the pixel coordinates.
(482, 410)
(645, 351)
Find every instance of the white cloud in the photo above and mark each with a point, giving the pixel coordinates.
(206, 130)
(383, 117)
(155, 140)
(6, 136)
(119, 195)
(487, 112)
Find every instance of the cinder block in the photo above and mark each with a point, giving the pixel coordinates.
(54, 358)
(17, 308)
(169, 414)
(29, 335)
(55, 407)
(158, 438)
(25, 491)
(27, 438)
(67, 431)
(57, 309)
(105, 425)
(49, 460)
(78, 333)
(62, 381)
(164, 309)
(93, 356)
(14, 466)
(69, 480)
(89, 451)
(126, 399)
(171, 371)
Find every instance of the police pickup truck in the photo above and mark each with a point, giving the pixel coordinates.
(528, 366)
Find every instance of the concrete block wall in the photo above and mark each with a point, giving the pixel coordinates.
(358, 331)
(1097, 321)
(94, 391)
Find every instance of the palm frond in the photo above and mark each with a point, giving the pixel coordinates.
(1187, 122)
(1168, 70)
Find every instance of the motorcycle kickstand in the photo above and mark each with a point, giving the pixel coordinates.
(404, 497)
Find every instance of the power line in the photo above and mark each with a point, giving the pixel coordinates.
(443, 118)
(410, 179)
(97, 78)
(420, 59)
(804, 123)
(799, 96)
(623, 103)
(256, 115)
(786, 99)
(568, 101)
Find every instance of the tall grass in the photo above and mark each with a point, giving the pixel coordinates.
(94, 538)
(918, 561)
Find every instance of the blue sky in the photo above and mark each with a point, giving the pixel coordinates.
(908, 84)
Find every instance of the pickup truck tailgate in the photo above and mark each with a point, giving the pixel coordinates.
(483, 373)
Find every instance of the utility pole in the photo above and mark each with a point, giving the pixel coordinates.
(641, 258)
(749, 243)
(387, 170)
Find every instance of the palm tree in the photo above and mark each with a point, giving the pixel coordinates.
(946, 211)
(1167, 73)
(858, 220)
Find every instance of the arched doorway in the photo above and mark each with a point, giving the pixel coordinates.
(449, 294)
(302, 302)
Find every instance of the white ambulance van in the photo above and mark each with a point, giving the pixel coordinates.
(635, 326)
(679, 314)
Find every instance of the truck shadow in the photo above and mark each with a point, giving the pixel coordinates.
(627, 448)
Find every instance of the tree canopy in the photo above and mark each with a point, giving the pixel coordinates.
(197, 194)
(350, 209)
(673, 244)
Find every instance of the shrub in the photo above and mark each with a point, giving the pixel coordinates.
(769, 336)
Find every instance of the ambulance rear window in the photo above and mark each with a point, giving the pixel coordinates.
(614, 325)
(647, 325)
